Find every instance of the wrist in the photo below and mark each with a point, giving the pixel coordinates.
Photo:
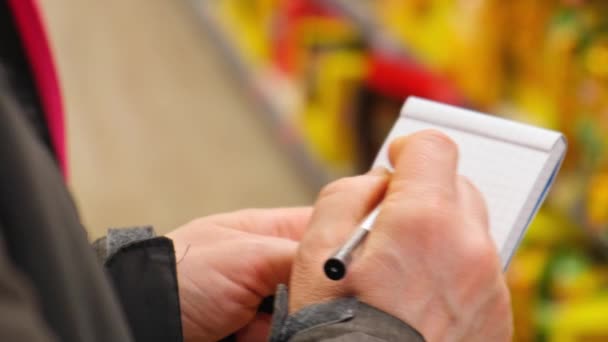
(345, 317)
(418, 305)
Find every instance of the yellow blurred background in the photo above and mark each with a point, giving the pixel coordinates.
(177, 109)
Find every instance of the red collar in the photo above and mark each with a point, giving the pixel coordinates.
(37, 48)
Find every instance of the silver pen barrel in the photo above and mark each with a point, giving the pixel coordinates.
(335, 267)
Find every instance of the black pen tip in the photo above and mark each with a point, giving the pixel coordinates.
(334, 269)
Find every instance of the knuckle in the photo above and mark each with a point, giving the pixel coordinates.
(429, 209)
(434, 196)
(429, 216)
(353, 186)
(339, 186)
(435, 141)
(439, 199)
(482, 253)
(433, 212)
(420, 223)
(473, 191)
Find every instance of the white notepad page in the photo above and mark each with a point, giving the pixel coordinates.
(512, 164)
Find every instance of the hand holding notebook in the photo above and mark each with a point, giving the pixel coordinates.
(512, 164)
(438, 243)
(431, 258)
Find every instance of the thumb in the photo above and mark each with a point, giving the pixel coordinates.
(272, 264)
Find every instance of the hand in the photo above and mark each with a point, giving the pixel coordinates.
(429, 260)
(226, 265)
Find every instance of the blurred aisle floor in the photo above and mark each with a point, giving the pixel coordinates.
(158, 130)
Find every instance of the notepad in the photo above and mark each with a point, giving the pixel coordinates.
(512, 164)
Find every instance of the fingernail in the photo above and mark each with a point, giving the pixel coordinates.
(379, 171)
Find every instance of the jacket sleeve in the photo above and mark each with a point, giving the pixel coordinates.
(20, 317)
(142, 270)
(341, 320)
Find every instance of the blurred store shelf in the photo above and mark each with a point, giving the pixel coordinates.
(278, 97)
(158, 131)
(360, 12)
(275, 94)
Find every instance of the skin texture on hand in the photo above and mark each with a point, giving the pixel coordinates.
(429, 260)
(226, 265)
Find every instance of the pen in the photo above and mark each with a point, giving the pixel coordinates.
(335, 267)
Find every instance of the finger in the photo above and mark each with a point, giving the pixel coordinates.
(341, 207)
(422, 161)
(422, 197)
(472, 202)
(288, 223)
(271, 264)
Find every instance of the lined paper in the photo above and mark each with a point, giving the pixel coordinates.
(512, 164)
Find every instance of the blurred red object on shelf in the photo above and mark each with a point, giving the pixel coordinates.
(400, 77)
